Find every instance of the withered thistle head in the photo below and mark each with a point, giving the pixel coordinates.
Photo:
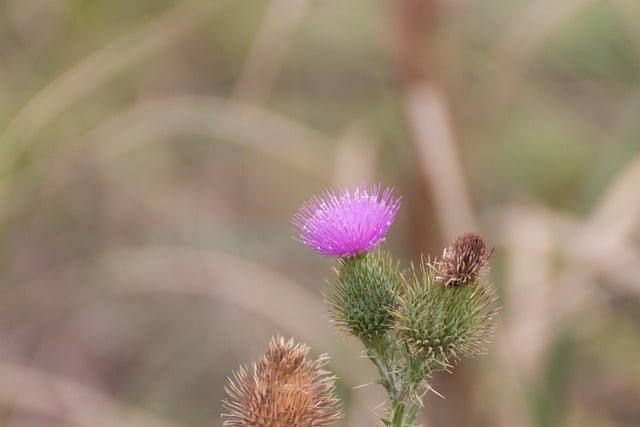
(463, 261)
(284, 390)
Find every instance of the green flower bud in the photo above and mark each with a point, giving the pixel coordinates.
(363, 295)
(444, 323)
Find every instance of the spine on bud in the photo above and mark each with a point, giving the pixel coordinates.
(364, 295)
(443, 323)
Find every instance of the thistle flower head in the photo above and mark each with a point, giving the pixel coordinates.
(347, 222)
(463, 261)
(283, 390)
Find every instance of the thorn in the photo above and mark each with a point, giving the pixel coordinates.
(436, 392)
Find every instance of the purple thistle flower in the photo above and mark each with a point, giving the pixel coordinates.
(346, 223)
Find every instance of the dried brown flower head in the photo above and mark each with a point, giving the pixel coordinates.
(284, 390)
(463, 261)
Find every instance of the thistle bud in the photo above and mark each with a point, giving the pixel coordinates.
(442, 323)
(364, 293)
(445, 323)
(463, 261)
(283, 390)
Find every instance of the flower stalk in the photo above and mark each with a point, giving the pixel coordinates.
(411, 323)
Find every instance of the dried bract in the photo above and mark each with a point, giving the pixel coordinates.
(284, 390)
(463, 261)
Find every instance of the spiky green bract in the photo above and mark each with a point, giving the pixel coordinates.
(441, 324)
(363, 295)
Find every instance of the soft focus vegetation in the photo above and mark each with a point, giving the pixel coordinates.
(152, 154)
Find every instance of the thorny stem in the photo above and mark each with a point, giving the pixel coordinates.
(404, 410)
(412, 413)
(387, 379)
(398, 415)
(402, 414)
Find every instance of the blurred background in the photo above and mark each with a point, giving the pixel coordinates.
(153, 152)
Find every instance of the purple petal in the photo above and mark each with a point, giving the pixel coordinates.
(345, 223)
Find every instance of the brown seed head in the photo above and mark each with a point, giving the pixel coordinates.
(463, 261)
(284, 390)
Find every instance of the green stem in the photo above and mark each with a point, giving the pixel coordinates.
(383, 370)
(403, 408)
(402, 414)
(398, 416)
(412, 414)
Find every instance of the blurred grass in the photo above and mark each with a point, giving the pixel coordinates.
(133, 178)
